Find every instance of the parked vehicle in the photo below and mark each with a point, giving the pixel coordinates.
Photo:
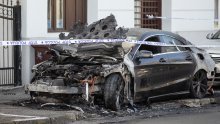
(215, 53)
(104, 69)
(213, 35)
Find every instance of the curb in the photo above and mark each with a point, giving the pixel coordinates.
(217, 100)
(199, 102)
(67, 118)
(5, 89)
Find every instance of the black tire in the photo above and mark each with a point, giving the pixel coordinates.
(114, 92)
(198, 85)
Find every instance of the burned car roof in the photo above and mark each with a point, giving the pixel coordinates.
(142, 33)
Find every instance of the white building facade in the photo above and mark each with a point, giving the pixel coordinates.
(199, 19)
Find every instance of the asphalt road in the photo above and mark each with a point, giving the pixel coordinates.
(203, 115)
(166, 112)
(180, 109)
(198, 118)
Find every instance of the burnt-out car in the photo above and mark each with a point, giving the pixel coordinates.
(123, 72)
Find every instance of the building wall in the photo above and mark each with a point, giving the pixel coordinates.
(218, 27)
(35, 26)
(92, 13)
(198, 9)
(122, 9)
(34, 23)
(166, 12)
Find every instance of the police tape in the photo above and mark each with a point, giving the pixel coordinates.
(179, 18)
(81, 41)
(75, 41)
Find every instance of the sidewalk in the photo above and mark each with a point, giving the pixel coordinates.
(11, 94)
(10, 114)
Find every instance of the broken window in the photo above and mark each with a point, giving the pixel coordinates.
(153, 49)
(177, 42)
(170, 41)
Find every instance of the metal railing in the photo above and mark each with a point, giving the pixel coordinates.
(10, 28)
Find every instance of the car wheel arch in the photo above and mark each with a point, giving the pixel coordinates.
(114, 91)
(201, 70)
(128, 85)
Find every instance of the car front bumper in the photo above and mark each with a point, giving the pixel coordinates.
(54, 89)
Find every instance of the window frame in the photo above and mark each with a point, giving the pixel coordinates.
(53, 17)
(159, 40)
(135, 49)
(73, 11)
(174, 43)
(142, 9)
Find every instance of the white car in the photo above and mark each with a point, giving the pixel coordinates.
(215, 53)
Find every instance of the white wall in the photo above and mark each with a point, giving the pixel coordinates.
(166, 12)
(92, 11)
(122, 9)
(34, 20)
(35, 26)
(198, 9)
(218, 14)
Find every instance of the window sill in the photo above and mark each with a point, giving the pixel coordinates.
(56, 31)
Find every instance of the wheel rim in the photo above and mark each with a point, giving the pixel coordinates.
(199, 84)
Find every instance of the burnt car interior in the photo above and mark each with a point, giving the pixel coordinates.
(153, 49)
(159, 49)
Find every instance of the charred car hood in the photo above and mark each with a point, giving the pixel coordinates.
(108, 49)
(83, 54)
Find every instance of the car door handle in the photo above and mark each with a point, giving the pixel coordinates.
(162, 60)
(188, 58)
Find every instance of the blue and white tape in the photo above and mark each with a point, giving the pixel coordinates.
(179, 18)
(79, 41)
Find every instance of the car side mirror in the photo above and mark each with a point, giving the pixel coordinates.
(209, 36)
(145, 54)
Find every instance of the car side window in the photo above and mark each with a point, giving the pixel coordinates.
(177, 42)
(170, 41)
(153, 49)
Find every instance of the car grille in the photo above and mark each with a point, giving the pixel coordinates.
(216, 57)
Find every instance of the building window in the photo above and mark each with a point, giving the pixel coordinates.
(63, 13)
(144, 8)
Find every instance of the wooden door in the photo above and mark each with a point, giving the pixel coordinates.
(76, 11)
